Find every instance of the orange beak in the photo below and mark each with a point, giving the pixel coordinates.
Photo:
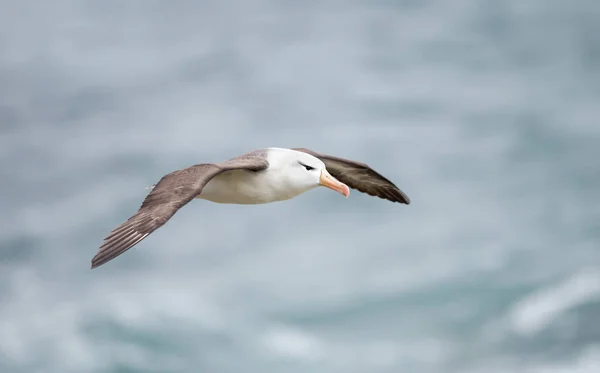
(332, 183)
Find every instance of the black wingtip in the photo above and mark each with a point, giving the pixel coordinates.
(396, 195)
(406, 199)
(97, 261)
(402, 197)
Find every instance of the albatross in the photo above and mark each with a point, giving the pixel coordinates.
(260, 176)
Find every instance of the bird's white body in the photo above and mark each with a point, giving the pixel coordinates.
(283, 180)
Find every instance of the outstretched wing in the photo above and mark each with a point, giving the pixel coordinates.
(171, 193)
(360, 176)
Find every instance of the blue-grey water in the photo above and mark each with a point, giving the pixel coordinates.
(486, 113)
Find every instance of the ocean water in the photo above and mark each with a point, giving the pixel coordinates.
(486, 113)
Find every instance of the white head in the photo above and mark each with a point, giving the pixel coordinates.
(299, 172)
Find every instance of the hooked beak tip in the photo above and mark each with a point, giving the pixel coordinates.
(332, 183)
(345, 190)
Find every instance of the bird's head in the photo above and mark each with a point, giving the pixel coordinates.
(304, 171)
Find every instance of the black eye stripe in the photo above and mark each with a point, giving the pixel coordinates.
(308, 168)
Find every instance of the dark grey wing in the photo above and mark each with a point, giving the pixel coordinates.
(171, 193)
(360, 176)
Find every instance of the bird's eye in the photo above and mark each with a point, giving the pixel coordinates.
(308, 168)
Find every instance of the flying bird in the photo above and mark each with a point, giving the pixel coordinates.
(261, 176)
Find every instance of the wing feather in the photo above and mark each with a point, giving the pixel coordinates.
(172, 192)
(360, 176)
